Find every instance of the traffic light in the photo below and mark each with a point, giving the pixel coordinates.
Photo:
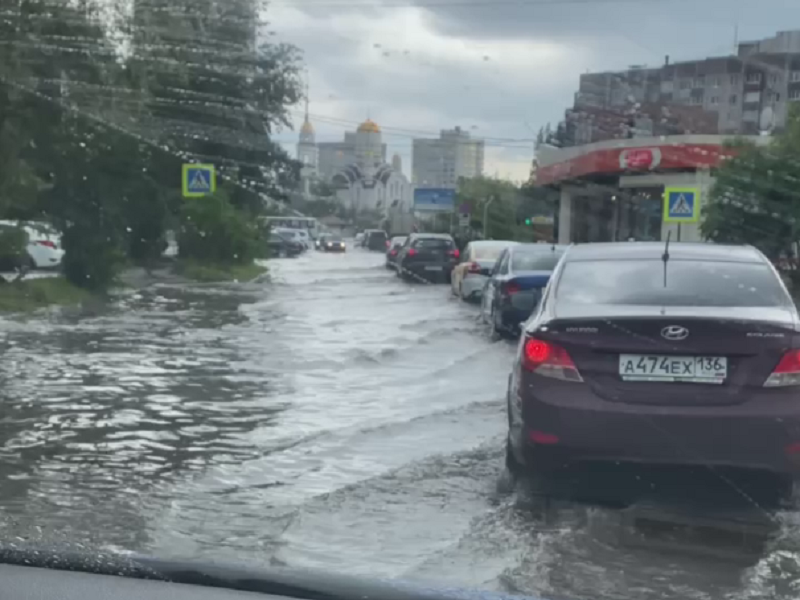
(527, 221)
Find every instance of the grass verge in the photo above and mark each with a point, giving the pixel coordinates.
(209, 273)
(33, 294)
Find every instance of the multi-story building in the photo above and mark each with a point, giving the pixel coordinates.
(746, 93)
(440, 162)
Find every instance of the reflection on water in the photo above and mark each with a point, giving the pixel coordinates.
(99, 412)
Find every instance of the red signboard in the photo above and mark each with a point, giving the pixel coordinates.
(622, 160)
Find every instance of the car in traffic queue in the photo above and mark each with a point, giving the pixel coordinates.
(359, 239)
(296, 234)
(376, 240)
(283, 245)
(643, 353)
(427, 257)
(477, 260)
(333, 243)
(515, 283)
(392, 250)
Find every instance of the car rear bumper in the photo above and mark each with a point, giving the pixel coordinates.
(762, 433)
(472, 285)
(427, 269)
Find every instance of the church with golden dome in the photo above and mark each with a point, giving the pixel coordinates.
(356, 167)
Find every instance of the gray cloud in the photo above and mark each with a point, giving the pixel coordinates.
(495, 67)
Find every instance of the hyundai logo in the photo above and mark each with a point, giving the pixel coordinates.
(675, 333)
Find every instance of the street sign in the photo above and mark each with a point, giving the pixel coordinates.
(464, 209)
(463, 219)
(681, 205)
(434, 199)
(198, 180)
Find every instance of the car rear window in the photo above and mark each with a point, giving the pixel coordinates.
(433, 244)
(378, 234)
(487, 252)
(535, 261)
(688, 283)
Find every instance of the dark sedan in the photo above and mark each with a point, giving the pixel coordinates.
(515, 284)
(427, 257)
(333, 243)
(644, 354)
(283, 246)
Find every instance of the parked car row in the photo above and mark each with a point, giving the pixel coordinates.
(634, 354)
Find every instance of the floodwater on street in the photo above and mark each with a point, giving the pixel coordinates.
(331, 417)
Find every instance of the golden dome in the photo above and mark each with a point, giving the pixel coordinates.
(307, 128)
(369, 126)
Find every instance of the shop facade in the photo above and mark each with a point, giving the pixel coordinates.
(613, 190)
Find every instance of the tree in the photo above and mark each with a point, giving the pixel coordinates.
(502, 212)
(754, 199)
(215, 94)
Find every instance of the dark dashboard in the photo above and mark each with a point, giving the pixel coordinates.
(36, 574)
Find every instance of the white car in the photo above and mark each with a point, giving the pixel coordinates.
(470, 275)
(44, 243)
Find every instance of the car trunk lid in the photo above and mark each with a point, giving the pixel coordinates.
(642, 354)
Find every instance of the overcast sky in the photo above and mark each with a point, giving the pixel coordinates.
(499, 68)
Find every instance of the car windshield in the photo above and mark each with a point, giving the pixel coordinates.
(333, 238)
(688, 283)
(535, 260)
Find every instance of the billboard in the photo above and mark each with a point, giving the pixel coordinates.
(434, 199)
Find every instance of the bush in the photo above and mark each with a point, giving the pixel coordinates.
(213, 231)
(13, 242)
(91, 259)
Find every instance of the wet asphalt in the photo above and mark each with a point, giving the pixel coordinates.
(330, 416)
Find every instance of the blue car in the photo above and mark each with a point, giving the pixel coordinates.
(516, 283)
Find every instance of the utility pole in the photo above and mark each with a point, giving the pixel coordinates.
(486, 215)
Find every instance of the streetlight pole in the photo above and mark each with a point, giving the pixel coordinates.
(486, 215)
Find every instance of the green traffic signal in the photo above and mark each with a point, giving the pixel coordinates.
(527, 221)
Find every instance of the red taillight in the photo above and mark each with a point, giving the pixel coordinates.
(455, 253)
(787, 372)
(411, 252)
(474, 267)
(548, 360)
(512, 287)
(393, 252)
(47, 243)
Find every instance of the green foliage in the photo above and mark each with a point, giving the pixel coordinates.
(93, 141)
(210, 273)
(502, 213)
(214, 231)
(33, 294)
(13, 241)
(755, 199)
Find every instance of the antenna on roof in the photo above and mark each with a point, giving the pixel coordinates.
(665, 257)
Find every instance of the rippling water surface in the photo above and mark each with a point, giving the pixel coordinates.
(332, 417)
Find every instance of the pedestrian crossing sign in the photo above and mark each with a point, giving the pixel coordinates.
(198, 180)
(681, 205)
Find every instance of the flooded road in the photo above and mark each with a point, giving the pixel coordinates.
(331, 417)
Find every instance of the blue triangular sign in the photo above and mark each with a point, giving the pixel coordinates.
(199, 181)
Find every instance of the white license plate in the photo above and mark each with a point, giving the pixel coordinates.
(693, 369)
(433, 268)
